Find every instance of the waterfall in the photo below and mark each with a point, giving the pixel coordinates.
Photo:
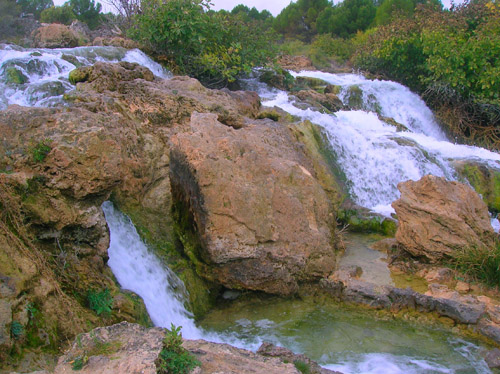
(372, 153)
(39, 77)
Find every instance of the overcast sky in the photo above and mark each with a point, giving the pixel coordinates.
(274, 6)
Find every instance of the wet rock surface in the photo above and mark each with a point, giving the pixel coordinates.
(437, 218)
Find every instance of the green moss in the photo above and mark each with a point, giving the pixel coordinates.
(302, 366)
(14, 76)
(78, 75)
(485, 181)
(271, 114)
(354, 97)
(358, 222)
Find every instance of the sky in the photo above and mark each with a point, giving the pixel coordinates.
(274, 6)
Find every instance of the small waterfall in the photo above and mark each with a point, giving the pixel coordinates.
(139, 270)
(372, 153)
(39, 77)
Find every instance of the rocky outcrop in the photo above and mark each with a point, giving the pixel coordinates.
(327, 102)
(115, 41)
(437, 217)
(296, 63)
(113, 139)
(54, 36)
(129, 348)
(260, 218)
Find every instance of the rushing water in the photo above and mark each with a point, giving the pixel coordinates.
(43, 73)
(374, 157)
(337, 337)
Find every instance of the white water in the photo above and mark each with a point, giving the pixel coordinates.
(46, 71)
(373, 155)
(139, 270)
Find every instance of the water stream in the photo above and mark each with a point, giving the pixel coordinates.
(374, 157)
(338, 337)
(39, 77)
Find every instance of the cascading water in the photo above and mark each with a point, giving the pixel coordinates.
(374, 158)
(39, 77)
(373, 155)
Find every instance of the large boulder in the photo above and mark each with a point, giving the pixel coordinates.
(438, 217)
(259, 218)
(54, 36)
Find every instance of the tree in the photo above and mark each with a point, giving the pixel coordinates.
(87, 11)
(35, 7)
(58, 14)
(299, 19)
(346, 18)
(9, 12)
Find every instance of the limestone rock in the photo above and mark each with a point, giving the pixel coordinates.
(271, 350)
(121, 348)
(223, 358)
(115, 41)
(262, 220)
(54, 36)
(493, 358)
(296, 63)
(437, 217)
(328, 101)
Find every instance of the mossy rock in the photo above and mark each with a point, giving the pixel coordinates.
(15, 76)
(315, 84)
(362, 220)
(485, 180)
(354, 97)
(334, 89)
(72, 60)
(78, 75)
(271, 114)
(278, 78)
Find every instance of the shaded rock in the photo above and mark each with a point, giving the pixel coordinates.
(54, 36)
(333, 89)
(437, 218)
(82, 31)
(261, 219)
(296, 63)
(278, 78)
(223, 358)
(484, 179)
(115, 41)
(491, 330)
(121, 348)
(393, 122)
(493, 358)
(328, 101)
(354, 97)
(15, 76)
(5, 323)
(361, 292)
(286, 355)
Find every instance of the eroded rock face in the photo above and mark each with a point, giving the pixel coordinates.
(437, 217)
(54, 36)
(262, 220)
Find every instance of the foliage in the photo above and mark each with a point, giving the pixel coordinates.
(298, 19)
(16, 329)
(9, 12)
(100, 302)
(40, 150)
(214, 47)
(173, 358)
(87, 11)
(480, 263)
(58, 14)
(35, 7)
(302, 366)
(79, 362)
(347, 17)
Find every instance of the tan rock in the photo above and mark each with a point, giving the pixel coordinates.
(116, 41)
(263, 220)
(54, 36)
(296, 63)
(437, 218)
(462, 287)
(438, 275)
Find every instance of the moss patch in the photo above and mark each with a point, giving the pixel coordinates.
(14, 76)
(485, 181)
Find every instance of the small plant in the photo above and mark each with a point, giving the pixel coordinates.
(480, 263)
(173, 358)
(40, 150)
(302, 366)
(100, 302)
(16, 330)
(79, 362)
(32, 312)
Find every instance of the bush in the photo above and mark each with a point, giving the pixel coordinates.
(100, 302)
(212, 47)
(35, 7)
(480, 264)
(58, 14)
(173, 358)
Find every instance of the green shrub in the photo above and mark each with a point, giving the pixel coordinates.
(100, 302)
(173, 358)
(479, 263)
(214, 47)
(58, 14)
